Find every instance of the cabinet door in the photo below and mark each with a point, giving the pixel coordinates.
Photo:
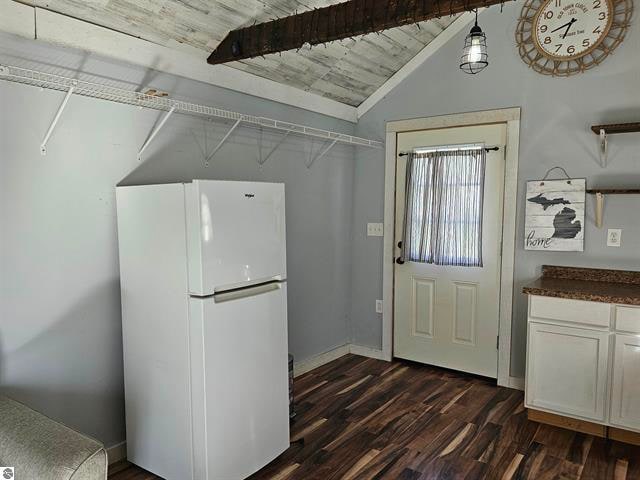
(567, 370)
(625, 393)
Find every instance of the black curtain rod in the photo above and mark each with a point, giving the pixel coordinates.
(487, 149)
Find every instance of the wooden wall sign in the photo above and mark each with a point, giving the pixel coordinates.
(554, 215)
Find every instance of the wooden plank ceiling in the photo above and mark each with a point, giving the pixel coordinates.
(347, 71)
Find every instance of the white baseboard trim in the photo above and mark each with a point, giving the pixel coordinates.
(366, 351)
(316, 361)
(300, 368)
(304, 366)
(516, 383)
(117, 453)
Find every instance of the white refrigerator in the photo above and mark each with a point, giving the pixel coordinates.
(204, 323)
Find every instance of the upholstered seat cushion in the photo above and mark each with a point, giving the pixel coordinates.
(42, 449)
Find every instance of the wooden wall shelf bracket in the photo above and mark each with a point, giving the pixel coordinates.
(601, 192)
(604, 148)
(613, 128)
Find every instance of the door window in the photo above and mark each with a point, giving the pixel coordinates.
(443, 206)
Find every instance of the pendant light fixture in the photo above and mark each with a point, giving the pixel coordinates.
(474, 54)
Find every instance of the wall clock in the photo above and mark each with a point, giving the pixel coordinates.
(565, 37)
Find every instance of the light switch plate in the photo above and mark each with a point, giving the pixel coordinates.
(614, 237)
(375, 230)
(378, 306)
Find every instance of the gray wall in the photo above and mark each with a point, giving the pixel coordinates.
(60, 338)
(556, 115)
(60, 326)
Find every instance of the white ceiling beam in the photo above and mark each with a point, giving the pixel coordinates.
(55, 28)
(432, 47)
(17, 19)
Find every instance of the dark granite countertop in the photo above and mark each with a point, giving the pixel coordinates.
(592, 284)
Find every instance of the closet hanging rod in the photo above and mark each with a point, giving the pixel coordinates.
(129, 97)
(494, 148)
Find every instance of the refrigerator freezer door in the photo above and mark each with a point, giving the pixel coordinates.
(239, 382)
(236, 234)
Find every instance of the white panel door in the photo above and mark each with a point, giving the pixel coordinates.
(567, 370)
(236, 234)
(625, 394)
(445, 315)
(240, 371)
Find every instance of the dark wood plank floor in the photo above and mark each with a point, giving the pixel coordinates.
(368, 419)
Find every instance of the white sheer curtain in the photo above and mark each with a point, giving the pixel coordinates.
(443, 207)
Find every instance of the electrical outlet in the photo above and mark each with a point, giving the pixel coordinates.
(375, 229)
(378, 306)
(614, 237)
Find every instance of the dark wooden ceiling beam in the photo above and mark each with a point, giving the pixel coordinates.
(335, 22)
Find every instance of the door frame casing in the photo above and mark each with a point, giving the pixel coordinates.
(511, 118)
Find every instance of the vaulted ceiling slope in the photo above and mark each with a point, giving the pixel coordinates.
(347, 71)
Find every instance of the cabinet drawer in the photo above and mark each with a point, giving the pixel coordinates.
(627, 318)
(596, 314)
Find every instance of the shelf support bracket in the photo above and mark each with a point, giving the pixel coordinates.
(224, 139)
(599, 208)
(155, 132)
(604, 147)
(321, 154)
(47, 136)
(275, 147)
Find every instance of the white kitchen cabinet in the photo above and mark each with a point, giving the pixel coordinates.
(583, 361)
(625, 387)
(567, 370)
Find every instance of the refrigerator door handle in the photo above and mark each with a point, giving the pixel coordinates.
(252, 291)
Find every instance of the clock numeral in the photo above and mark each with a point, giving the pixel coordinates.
(548, 14)
(597, 30)
(543, 28)
(602, 16)
(586, 42)
(558, 47)
(596, 3)
(547, 40)
(571, 49)
(558, 3)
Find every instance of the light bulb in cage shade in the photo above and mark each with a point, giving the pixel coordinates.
(474, 54)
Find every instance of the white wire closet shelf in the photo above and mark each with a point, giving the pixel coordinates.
(129, 97)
